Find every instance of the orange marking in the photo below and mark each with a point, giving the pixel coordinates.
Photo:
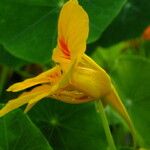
(146, 34)
(64, 48)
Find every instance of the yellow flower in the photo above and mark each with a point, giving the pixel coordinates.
(76, 78)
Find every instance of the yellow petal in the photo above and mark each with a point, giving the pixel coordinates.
(50, 76)
(87, 62)
(64, 63)
(28, 107)
(37, 93)
(94, 83)
(45, 90)
(87, 76)
(73, 28)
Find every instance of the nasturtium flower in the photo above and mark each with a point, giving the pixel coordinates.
(76, 78)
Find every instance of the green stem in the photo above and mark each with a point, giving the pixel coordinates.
(109, 137)
(3, 78)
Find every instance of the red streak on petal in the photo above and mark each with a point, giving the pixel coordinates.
(64, 48)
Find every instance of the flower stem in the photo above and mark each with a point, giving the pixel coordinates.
(3, 78)
(105, 123)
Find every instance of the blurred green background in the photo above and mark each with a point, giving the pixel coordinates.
(28, 34)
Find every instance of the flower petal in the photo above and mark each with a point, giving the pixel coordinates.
(45, 90)
(91, 79)
(73, 28)
(36, 94)
(28, 107)
(50, 76)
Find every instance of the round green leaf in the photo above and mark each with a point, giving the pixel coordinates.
(9, 60)
(130, 23)
(28, 29)
(69, 126)
(132, 75)
(17, 132)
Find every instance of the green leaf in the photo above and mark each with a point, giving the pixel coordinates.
(132, 76)
(28, 29)
(32, 30)
(106, 57)
(101, 14)
(130, 23)
(69, 126)
(17, 132)
(146, 48)
(9, 60)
